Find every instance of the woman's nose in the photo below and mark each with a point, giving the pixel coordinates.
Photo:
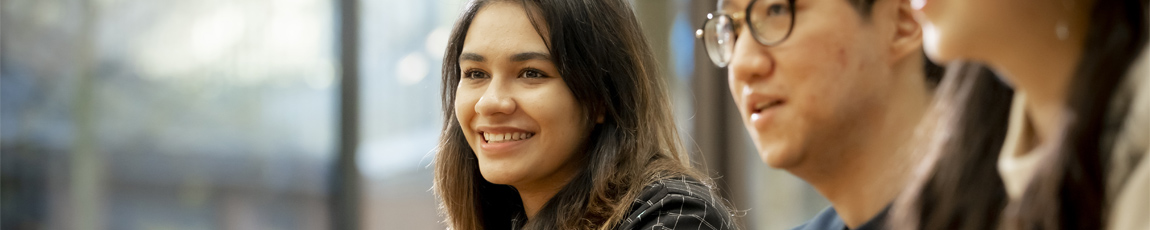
(496, 100)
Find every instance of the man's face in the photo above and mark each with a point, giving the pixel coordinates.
(810, 99)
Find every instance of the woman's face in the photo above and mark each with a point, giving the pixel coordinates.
(1033, 44)
(985, 30)
(513, 106)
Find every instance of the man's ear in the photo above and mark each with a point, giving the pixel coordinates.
(907, 39)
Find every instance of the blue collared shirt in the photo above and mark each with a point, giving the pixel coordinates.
(828, 219)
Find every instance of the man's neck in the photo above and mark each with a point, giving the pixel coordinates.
(870, 173)
(863, 190)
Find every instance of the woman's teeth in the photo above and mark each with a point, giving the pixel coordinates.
(505, 137)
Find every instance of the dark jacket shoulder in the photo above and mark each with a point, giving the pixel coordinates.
(677, 203)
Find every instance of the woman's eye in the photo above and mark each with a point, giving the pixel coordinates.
(530, 73)
(474, 74)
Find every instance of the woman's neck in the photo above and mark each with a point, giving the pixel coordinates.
(1041, 66)
(533, 200)
(1045, 81)
(536, 194)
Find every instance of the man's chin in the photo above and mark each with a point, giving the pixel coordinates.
(778, 157)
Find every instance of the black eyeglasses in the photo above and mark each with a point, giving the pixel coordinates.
(771, 22)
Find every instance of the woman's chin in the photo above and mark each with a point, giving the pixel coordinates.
(938, 51)
(497, 176)
(931, 41)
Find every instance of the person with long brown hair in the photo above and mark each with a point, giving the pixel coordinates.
(555, 118)
(1066, 149)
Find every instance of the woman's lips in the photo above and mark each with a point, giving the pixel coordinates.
(495, 144)
(505, 137)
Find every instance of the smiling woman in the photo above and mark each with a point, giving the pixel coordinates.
(518, 115)
(556, 119)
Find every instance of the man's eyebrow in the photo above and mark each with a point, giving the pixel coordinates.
(521, 57)
(471, 57)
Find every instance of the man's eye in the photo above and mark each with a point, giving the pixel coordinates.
(777, 10)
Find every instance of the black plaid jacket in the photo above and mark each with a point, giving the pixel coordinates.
(677, 203)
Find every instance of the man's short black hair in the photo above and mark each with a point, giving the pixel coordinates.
(863, 7)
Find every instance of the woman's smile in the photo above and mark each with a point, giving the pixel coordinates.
(499, 141)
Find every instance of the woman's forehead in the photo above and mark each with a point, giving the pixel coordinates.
(503, 26)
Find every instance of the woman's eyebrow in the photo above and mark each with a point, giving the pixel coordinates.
(471, 57)
(521, 57)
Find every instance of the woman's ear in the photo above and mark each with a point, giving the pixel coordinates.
(599, 120)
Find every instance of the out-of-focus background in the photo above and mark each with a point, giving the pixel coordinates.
(283, 114)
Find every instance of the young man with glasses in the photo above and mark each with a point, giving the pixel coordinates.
(831, 91)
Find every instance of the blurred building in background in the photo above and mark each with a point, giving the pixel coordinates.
(225, 114)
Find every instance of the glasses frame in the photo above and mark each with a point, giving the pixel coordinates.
(746, 21)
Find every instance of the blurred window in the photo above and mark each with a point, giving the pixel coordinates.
(166, 114)
(401, 52)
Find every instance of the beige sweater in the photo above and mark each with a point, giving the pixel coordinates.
(1128, 182)
(1129, 175)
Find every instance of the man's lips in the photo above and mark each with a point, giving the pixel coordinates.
(756, 103)
(759, 107)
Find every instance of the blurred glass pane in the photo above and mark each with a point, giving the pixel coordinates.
(166, 114)
(401, 52)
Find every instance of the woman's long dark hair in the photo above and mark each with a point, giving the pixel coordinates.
(967, 127)
(600, 52)
(961, 188)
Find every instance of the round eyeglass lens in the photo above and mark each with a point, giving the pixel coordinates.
(718, 36)
(771, 20)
